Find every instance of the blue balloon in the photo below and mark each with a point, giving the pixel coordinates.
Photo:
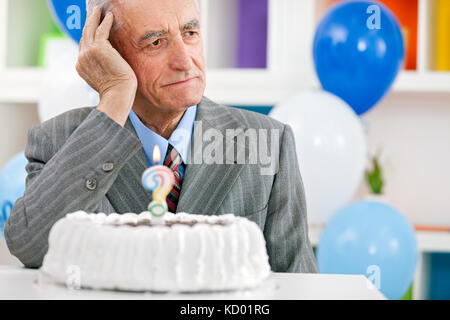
(358, 51)
(12, 186)
(372, 239)
(70, 15)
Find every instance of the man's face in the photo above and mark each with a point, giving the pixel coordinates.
(161, 41)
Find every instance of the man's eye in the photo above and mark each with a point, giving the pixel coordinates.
(190, 33)
(156, 43)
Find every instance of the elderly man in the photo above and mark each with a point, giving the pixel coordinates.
(145, 59)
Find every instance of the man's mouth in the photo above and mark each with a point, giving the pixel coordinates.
(180, 82)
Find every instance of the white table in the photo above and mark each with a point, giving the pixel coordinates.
(20, 283)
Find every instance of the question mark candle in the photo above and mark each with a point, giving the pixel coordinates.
(160, 180)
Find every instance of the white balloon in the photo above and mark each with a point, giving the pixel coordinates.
(62, 88)
(331, 149)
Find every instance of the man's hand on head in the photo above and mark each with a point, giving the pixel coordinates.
(104, 69)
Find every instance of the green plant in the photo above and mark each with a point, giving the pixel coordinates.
(374, 177)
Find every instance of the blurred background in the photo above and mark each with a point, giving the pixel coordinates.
(268, 54)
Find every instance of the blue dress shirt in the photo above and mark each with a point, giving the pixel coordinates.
(180, 138)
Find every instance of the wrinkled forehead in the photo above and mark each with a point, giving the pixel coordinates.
(138, 16)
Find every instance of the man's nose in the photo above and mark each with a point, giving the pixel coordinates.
(180, 58)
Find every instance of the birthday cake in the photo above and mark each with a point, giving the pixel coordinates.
(180, 253)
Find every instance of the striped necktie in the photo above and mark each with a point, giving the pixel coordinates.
(173, 161)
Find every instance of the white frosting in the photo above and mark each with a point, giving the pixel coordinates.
(112, 255)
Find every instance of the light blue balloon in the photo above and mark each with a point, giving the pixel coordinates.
(372, 239)
(12, 186)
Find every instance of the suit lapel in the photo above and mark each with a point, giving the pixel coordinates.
(205, 186)
(127, 194)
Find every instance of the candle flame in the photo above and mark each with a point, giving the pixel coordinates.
(156, 154)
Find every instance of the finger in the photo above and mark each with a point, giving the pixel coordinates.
(83, 35)
(92, 22)
(104, 30)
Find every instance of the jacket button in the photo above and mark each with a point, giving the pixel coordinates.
(91, 184)
(108, 166)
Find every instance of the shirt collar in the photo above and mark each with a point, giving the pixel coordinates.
(180, 138)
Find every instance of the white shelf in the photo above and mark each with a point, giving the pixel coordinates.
(427, 241)
(20, 85)
(23, 86)
(433, 241)
(231, 86)
(423, 82)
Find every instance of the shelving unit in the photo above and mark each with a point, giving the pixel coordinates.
(290, 67)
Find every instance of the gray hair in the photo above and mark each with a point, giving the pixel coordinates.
(107, 5)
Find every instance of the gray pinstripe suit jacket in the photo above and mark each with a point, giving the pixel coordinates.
(70, 149)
